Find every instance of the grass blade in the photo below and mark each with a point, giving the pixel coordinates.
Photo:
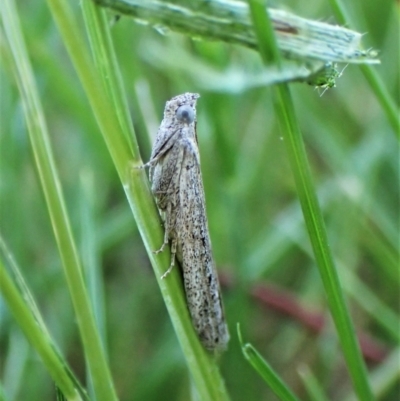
(25, 312)
(262, 367)
(370, 74)
(317, 232)
(56, 206)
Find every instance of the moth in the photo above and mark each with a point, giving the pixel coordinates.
(177, 186)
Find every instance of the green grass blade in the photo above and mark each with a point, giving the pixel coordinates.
(372, 77)
(312, 385)
(101, 106)
(385, 377)
(269, 54)
(256, 223)
(262, 367)
(319, 241)
(23, 292)
(90, 251)
(91, 261)
(97, 27)
(36, 336)
(383, 97)
(52, 189)
(382, 314)
(317, 233)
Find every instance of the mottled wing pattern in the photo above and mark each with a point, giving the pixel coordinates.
(194, 249)
(165, 176)
(165, 187)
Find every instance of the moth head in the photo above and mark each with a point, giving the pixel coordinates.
(185, 114)
(182, 108)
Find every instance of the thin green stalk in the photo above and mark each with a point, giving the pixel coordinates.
(383, 96)
(32, 333)
(312, 385)
(91, 260)
(97, 26)
(372, 77)
(317, 233)
(385, 377)
(371, 303)
(339, 12)
(262, 367)
(36, 336)
(319, 241)
(90, 251)
(101, 106)
(54, 198)
(269, 54)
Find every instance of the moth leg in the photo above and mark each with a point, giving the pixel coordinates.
(165, 242)
(151, 163)
(173, 253)
(170, 225)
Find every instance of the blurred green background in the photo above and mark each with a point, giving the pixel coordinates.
(256, 225)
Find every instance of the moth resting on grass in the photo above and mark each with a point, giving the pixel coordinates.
(177, 186)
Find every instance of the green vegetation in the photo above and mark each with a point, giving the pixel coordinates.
(79, 224)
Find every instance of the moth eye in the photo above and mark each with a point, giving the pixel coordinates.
(185, 114)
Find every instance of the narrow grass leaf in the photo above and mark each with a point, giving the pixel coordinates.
(56, 206)
(318, 237)
(265, 371)
(35, 334)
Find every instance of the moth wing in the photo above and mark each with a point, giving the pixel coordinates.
(165, 140)
(165, 175)
(199, 272)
